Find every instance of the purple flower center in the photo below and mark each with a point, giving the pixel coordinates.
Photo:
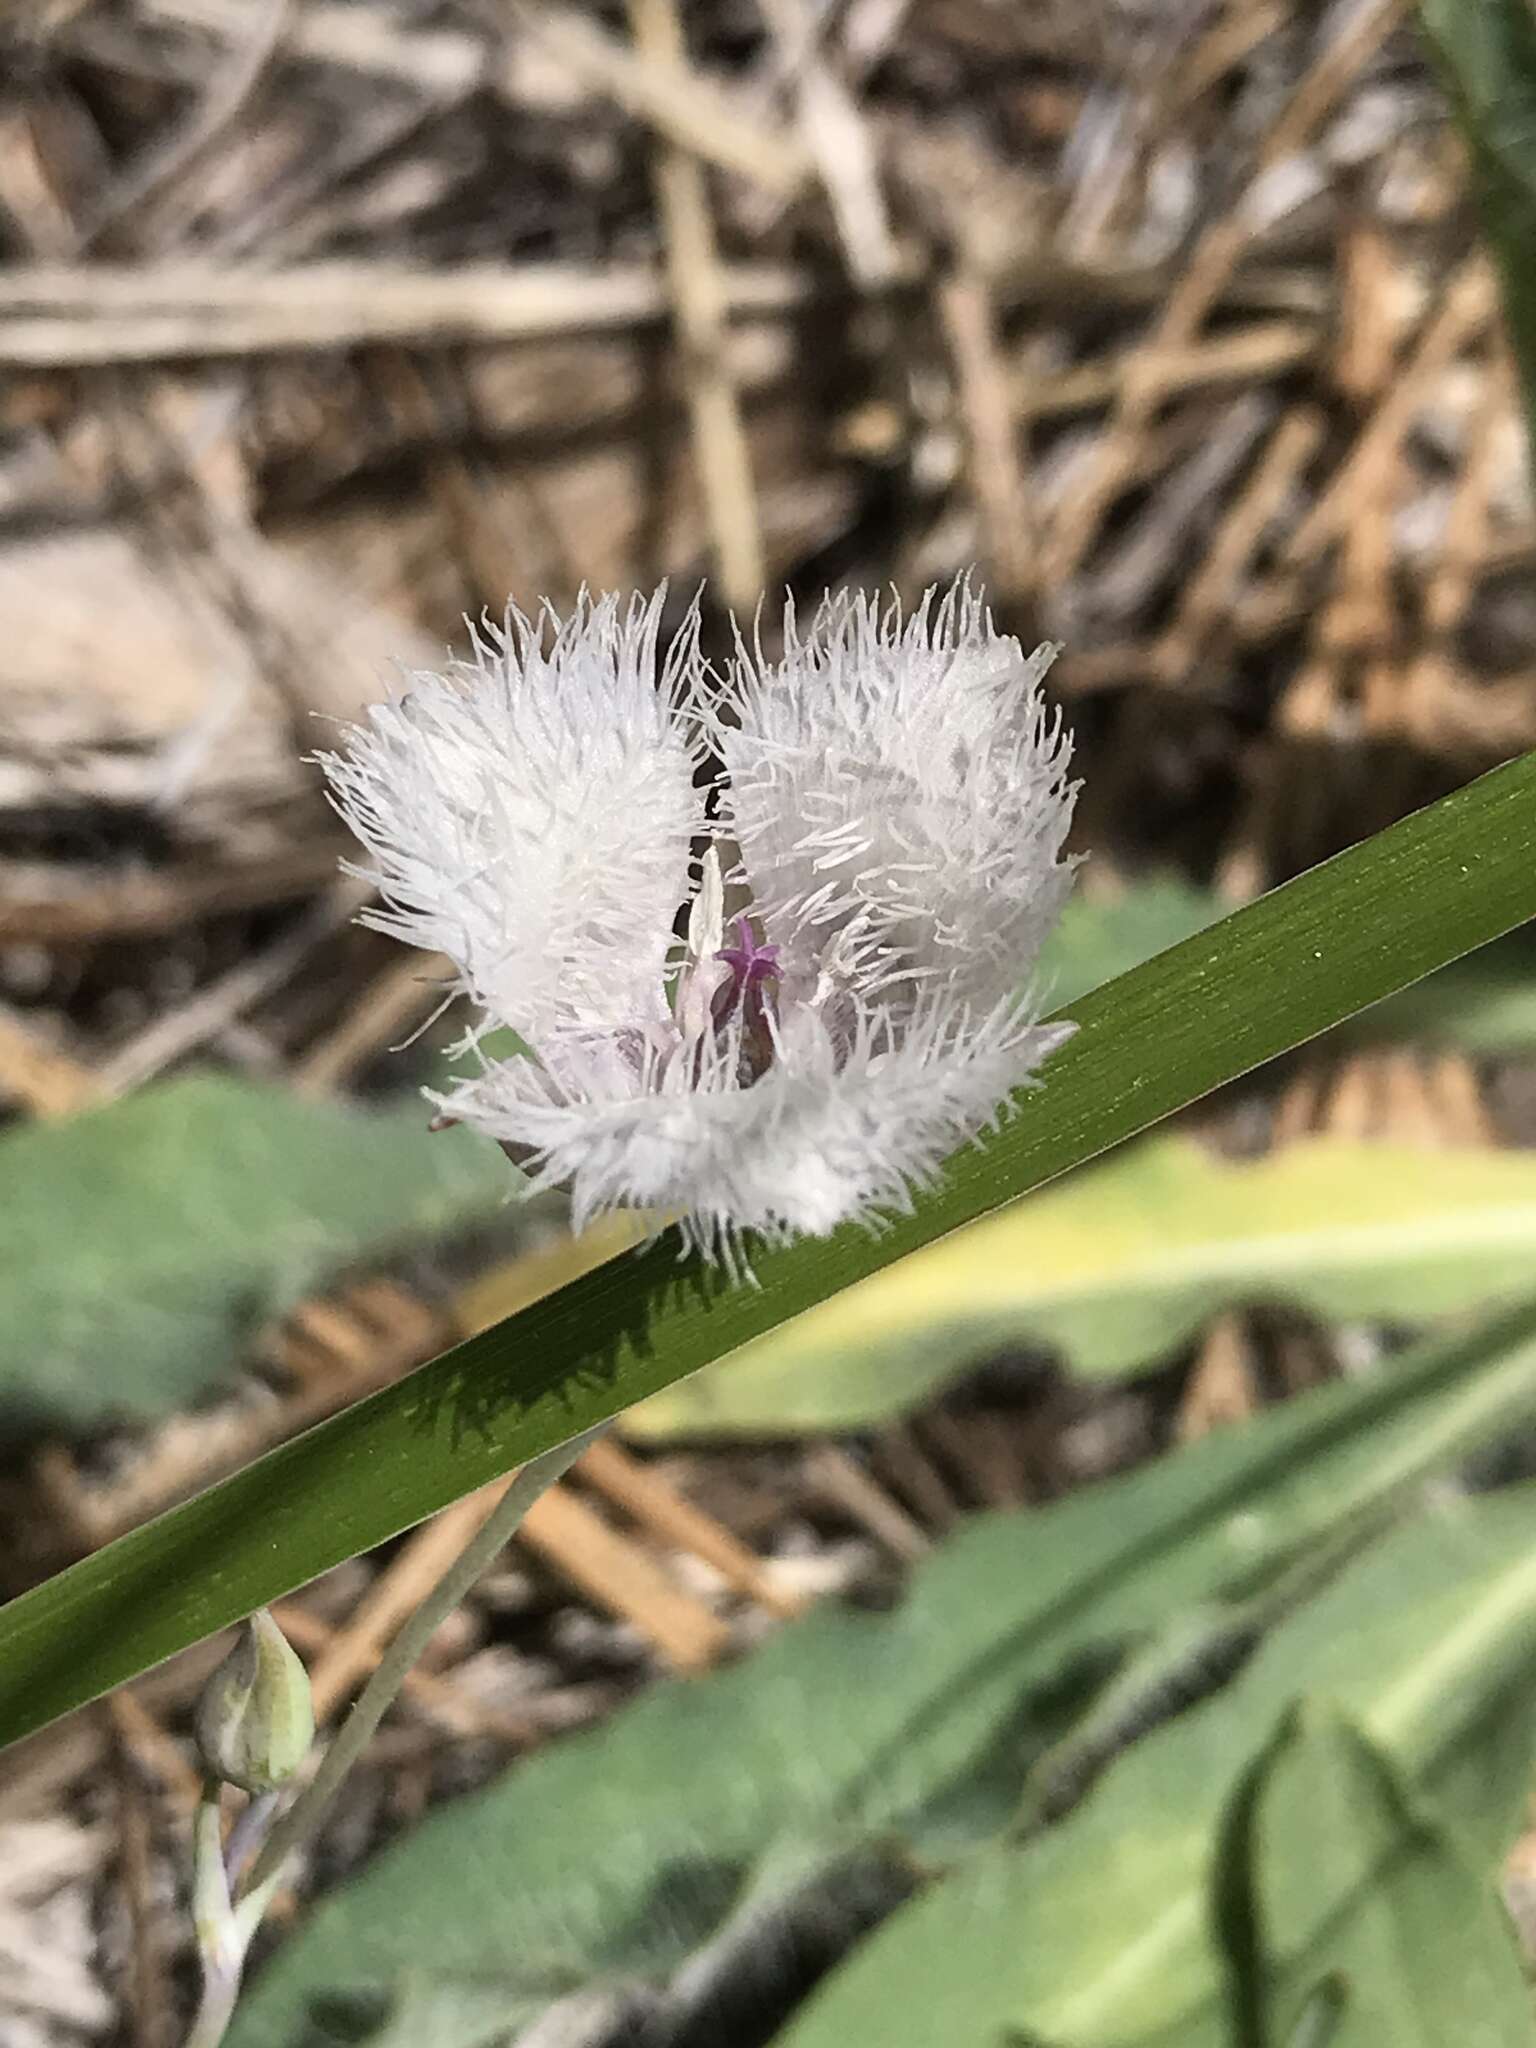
(751, 966)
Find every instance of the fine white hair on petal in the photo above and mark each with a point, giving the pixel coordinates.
(827, 1134)
(898, 793)
(898, 785)
(528, 813)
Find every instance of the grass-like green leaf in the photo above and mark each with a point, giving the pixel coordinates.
(1484, 1004)
(1275, 973)
(1097, 938)
(1121, 1263)
(1487, 52)
(852, 1730)
(141, 1243)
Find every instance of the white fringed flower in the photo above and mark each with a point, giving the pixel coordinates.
(893, 801)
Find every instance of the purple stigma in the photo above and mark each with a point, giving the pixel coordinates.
(751, 966)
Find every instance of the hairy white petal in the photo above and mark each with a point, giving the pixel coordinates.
(826, 1135)
(899, 796)
(899, 790)
(529, 812)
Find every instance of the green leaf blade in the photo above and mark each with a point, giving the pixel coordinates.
(149, 1236)
(1487, 51)
(1357, 1896)
(922, 1727)
(1120, 1264)
(1105, 1932)
(1276, 973)
(857, 1728)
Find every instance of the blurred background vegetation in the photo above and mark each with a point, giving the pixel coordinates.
(324, 323)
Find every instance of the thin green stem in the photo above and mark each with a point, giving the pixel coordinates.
(247, 1836)
(221, 1945)
(224, 1930)
(373, 1701)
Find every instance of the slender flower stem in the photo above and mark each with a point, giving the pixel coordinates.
(356, 1731)
(247, 1836)
(220, 1947)
(228, 1905)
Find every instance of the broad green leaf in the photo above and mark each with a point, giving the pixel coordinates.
(1120, 1264)
(1105, 1931)
(1487, 51)
(1484, 1005)
(603, 1859)
(1097, 937)
(1349, 1897)
(434, 2013)
(140, 1243)
(1283, 969)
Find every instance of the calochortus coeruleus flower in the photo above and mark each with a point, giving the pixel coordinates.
(765, 935)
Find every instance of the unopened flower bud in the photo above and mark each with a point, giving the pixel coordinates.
(256, 1719)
